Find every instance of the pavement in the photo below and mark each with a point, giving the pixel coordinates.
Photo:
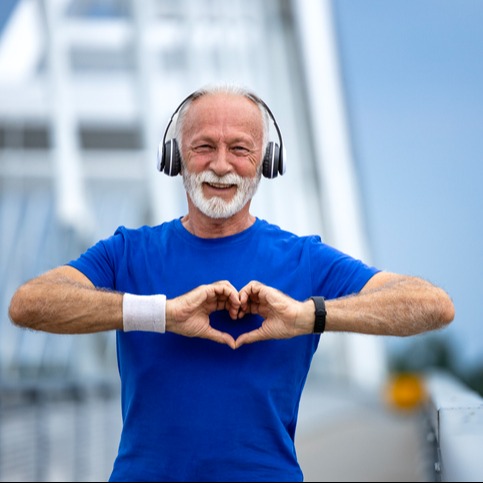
(349, 434)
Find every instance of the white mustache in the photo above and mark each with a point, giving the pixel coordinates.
(227, 179)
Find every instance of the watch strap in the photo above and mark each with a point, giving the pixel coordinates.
(320, 314)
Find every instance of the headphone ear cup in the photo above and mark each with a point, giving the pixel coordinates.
(171, 158)
(161, 160)
(282, 167)
(271, 161)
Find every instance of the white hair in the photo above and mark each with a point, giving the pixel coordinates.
(223, 88)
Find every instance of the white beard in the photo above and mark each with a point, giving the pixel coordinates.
(216, 207)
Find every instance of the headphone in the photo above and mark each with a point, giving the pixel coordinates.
(169, 156)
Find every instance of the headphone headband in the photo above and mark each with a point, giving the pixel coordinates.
(169, 156)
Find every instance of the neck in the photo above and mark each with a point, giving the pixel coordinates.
(203, 226)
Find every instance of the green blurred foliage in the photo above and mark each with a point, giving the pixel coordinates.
(435, 352)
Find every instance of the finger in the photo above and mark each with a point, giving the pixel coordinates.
(224, 290)
(244, 297)
(248, 308)
(231, 304)
(221, 296)
(251, 307)
(220, 337)
(250, 337)
(248, 294)
(228, 340)
(234, 312)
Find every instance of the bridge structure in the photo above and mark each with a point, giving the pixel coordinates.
(86, 90)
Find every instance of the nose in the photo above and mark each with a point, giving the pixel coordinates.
(220, 163)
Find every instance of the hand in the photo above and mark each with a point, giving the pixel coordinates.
(283, 316)
(189, 314)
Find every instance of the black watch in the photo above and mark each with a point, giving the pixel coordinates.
(320, 315)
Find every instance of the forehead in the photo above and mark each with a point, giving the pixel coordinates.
(227, 110)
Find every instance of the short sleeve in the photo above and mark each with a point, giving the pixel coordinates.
(336, 274)
(99, 263)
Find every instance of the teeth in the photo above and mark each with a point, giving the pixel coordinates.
(220, 186)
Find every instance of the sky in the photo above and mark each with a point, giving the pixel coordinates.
(413, 79)
(6, 7)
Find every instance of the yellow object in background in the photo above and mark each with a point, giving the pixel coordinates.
(405, 391)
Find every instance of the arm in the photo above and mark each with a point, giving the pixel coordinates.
(389, 304)
(64, 301)
(392, 304)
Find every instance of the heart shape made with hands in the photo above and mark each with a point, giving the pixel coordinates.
(277, 310)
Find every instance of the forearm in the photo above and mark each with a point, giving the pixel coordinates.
(402, 307)
(63, 306)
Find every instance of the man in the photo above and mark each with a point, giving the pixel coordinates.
(215, 312)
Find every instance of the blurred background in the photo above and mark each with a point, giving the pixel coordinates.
(381, 110)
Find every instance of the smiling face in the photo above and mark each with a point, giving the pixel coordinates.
(222, 145)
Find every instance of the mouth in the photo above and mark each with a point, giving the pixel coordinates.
(220, 186)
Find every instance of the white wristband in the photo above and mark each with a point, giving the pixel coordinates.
(144, 312)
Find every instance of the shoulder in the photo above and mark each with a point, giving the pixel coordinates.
(276, 232)
(144, 231)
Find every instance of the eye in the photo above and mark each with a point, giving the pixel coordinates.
(203, 148)
(240, 150)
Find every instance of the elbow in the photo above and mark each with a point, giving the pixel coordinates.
(436, 314)
(18, 310)
(446, 310)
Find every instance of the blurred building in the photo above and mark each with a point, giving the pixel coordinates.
(86, 90)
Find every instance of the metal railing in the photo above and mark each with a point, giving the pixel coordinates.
(58, 430)
(68, 430)
(455, 420)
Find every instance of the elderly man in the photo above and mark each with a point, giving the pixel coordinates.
(219, 313)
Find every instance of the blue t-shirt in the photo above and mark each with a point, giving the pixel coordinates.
(196, 410)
